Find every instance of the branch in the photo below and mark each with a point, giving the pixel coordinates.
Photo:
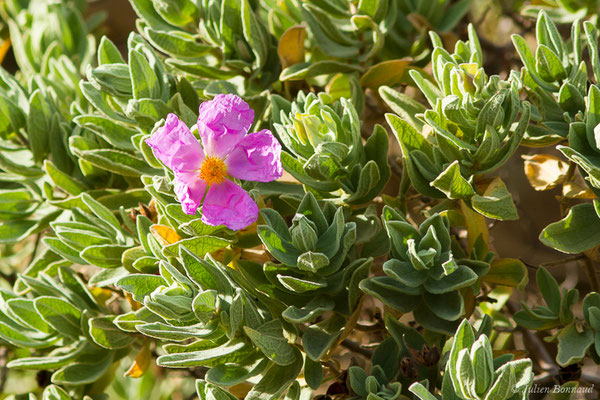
(357, 348)
(3, 367)
(535, 341)
(591, 273)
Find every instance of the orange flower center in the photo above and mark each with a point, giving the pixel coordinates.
(213, 170)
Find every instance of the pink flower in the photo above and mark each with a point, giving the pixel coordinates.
(202, 172)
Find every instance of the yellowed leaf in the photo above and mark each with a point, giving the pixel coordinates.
(470, 68)
(469, 300)
(576, 188)
(164, 234)
(387, 73)
(291, 46)
(507, 272)
(544, 171)
(132, 303)
(476, 226)
(240, 390)
(4, 49)
(141, 363)
(101, 295)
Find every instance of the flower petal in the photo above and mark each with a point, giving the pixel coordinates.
(228, 204)
(176, 146)
(222, 122)
(257, 157)
(189, 190)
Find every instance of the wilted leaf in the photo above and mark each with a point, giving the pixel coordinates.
(386, 73)
(164, 234)
(141, 363)
(291, 46)
(508, 272)
(544, 171)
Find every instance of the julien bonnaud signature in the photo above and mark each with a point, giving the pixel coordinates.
(559, 389)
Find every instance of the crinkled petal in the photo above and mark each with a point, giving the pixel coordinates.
(176, 146)
(189, 190)
(228, 204)
(223, 122)
(257, 157)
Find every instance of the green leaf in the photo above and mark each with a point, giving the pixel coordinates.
(143, 79)
(103, 213)
(429, 89)
(319, 338)
(112, 79)
(269, 339)
(421, 391)
(53, 392)
(106, 334)
(313, 373)
(319, 305)
(280, 248)
(387, 357)
(39, 120)
(403, 105)
(113, 132)
(12, 167)
(19, 338)
(448, 306)
(504, 384)
(118, 162)
(233, 374)
(328, 37)
(496, 202)
(16, 204)
(67, 183)
(140, 285)
(452, 183)
(453, 15)
(104, 256)
(62, 249)
(60, 314)
(194, 68)
(549, 65)
(312, 262)
(55, 360)
(176, 43)
(573, 343)
(276, 379)
(549, 289)
(161, 331)
(591, 33)
(577, 232)
(234, 349)
(463, 276)
(108, 53)
(570, 98)
(208, 391)
(254, 33)
(392, 293)
(23, 311)
(529, 61)
(198, 245)
(463, 339)
(565, 391)
(79, 373)
(302, 71)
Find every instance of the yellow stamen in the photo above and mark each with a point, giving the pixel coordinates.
(213, 170)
